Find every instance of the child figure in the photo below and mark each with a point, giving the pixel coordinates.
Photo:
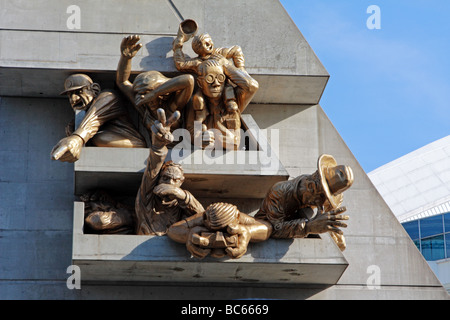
(203, 46)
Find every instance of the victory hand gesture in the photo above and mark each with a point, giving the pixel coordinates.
(130, 46)
(161, 128)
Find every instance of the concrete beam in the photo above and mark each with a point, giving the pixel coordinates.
(232, 174)
(125, 258)
(38, 50)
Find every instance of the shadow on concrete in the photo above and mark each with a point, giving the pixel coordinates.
(158, 57)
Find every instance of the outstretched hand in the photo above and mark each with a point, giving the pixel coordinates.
(327, 221)
(67, 149)
(130, 46)
(161, 127)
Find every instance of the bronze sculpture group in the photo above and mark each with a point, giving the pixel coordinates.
(213, 90)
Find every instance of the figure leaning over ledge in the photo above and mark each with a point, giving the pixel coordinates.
(151, 90)
(219, 231)
(103, 214)
(286, 212)
(105, 124)
(289, 205)
(160, 201)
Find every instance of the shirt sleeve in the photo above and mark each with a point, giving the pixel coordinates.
(273, 209)
(105, 107)
(191, 205)
(184, 64)
(235, 53)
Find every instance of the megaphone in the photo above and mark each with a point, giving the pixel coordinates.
(187, 29)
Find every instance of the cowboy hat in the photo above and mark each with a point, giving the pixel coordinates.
(334, 179)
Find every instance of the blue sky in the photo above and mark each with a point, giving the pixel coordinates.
(389, 88)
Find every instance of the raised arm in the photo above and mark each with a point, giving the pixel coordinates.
(182, 63)
(128, 49)
(161, 137)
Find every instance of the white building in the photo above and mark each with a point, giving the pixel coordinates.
(417, 189)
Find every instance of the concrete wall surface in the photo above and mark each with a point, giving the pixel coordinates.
(56, 49)
(36, 215)
(37, 194)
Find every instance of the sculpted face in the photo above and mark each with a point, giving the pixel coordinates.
(213, 82)
(81, 99)
(172, 176)
(203, 45)
(207, 46)
(310, 192)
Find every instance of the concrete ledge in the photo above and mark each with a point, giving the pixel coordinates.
(121, 170)
(232, 174)
(48, 82)
(127, 258)
(284, 64)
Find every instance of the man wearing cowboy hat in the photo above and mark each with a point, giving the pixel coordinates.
(105, 123)
(289, 205)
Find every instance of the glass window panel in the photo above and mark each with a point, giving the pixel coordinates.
(417, 243)
(447, 244)
(447, 222)
(412, 228)
(431, 226)
(433, 248)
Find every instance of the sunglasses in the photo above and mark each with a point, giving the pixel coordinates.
(210, 78)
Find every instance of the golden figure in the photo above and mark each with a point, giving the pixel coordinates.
(203, 46)
(219, 231)
(104, 215)
(160, 201)
(289, 205)
(225, 89)
(105, 124)
(151, 90)
(286, 212)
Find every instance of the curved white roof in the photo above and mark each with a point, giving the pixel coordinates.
(417, 185)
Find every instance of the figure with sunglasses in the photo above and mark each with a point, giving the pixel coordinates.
(222, 94)
(203, 46)
(221, 126)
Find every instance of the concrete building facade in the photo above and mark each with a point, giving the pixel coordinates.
(38, 232)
